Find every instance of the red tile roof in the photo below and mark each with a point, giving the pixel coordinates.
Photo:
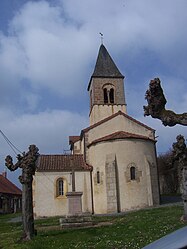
(62, 163)
(119, 135)
(7, 187)
(113, 116)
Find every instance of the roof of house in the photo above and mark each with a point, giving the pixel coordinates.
(105, 66)
(7, 187)
(62, 163)
(113, 116)
(119, 135)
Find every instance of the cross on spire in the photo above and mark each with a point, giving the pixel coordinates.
(101, 37)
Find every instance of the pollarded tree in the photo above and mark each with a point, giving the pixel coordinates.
(180, 155)
(27, 162)
(156, 108)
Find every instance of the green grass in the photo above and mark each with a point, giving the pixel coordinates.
(132, 230)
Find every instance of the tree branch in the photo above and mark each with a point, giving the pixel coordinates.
(156, 106)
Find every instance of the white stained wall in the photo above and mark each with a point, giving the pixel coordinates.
(44, 193)
(135, 193)
(100, 112)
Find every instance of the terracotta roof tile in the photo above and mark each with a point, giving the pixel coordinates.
(7, 187)
(119, 135)
(62, 163)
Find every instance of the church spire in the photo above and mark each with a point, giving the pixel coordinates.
(106, 88)
(105, 66)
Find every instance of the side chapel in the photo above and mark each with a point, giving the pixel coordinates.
(113, 164)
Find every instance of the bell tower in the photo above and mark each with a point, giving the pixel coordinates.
(106, 88)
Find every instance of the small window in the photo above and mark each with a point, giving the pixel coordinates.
(105, 95)
(98, 177)
(111, 95)
(132, 173)
(60, 187)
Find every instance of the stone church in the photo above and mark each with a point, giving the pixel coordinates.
(112, 166)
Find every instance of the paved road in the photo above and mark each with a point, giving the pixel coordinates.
(170, 199)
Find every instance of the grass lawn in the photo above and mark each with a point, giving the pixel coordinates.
(131, 230)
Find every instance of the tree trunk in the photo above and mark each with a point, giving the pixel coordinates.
(27, 211)
(184, 191)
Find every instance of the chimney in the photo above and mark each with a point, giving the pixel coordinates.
(4, 174)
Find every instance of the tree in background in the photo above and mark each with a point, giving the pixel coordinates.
(168, 173)
(27, 162)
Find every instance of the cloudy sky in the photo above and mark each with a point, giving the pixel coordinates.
(48, 51)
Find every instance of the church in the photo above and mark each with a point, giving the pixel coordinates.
(112, 166)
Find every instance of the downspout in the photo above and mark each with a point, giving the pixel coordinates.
(117, 187)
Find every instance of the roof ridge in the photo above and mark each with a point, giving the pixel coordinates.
(111, 117)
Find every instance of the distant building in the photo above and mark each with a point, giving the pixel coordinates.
(113, 162)
(10, 196)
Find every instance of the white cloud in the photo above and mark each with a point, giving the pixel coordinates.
(52, 47)
(49, 130)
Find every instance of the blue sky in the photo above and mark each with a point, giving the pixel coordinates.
(48, 51)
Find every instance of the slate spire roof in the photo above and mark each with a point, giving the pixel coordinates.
(105, 66)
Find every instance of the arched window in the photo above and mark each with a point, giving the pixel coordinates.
(132, 173)
(98, 177)
(111, 95)
(105, 95)
(60, 187)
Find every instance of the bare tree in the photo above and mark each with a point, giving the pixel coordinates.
(156, 106)
(27, 162)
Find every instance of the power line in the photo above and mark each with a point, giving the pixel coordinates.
(12, 146)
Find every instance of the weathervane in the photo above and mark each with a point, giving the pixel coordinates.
(101, 37)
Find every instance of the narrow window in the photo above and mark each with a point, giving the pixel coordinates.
(111, 95)
(105, 95)
(98, 177)
(60, 187)
(132, 173)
